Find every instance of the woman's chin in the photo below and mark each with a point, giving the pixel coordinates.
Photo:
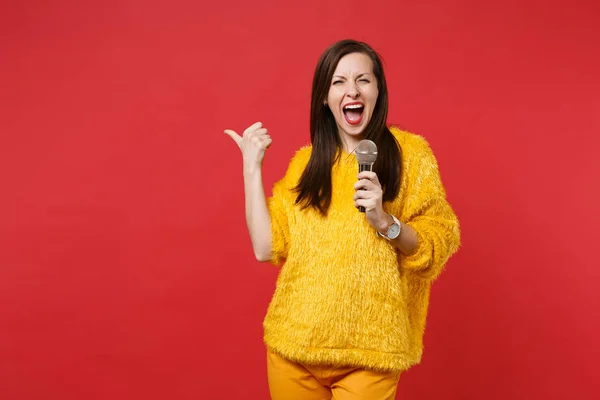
(353, 130)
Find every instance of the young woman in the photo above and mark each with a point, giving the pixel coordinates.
(348, 313)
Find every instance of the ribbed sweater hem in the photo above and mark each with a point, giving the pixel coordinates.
(340, 358)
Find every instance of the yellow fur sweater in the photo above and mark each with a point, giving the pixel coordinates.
(345, 296)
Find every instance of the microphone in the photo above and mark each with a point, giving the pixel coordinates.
(366, 154)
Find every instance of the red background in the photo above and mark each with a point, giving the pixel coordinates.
(126, 271)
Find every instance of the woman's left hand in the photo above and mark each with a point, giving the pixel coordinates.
(369, 195)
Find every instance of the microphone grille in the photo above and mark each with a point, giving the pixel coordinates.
(366, 152)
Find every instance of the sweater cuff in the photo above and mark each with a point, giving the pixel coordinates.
(422, 257)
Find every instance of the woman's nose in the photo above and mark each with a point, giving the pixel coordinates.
(353, 92)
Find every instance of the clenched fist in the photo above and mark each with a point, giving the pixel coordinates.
(253, 144)
(369, 194)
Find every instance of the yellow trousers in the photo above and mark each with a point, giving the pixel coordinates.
(291, 381)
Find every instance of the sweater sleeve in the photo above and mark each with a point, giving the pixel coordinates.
(428, 212)
(279, 223)
(281, 206)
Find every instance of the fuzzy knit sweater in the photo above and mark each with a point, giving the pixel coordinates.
(345, 296)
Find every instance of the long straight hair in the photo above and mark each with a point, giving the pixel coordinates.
(314, 188)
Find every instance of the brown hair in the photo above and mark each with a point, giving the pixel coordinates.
(314, 187)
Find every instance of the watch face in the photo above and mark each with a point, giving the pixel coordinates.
(393, 231)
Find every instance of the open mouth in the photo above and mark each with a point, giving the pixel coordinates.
(353, 113)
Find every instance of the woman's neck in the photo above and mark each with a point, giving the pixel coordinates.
(349, 143)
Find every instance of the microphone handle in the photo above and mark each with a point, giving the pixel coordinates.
(361, 168)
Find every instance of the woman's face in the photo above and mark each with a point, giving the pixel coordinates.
(352, 96)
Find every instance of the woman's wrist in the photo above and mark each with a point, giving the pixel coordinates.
(252, 169)
(384, 223)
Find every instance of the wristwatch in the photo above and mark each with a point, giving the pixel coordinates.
(393, 231)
